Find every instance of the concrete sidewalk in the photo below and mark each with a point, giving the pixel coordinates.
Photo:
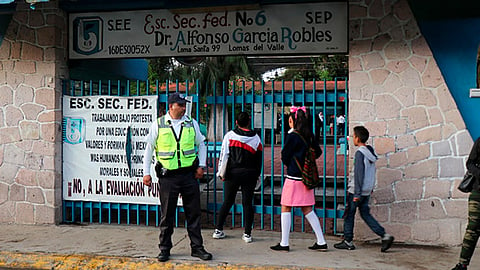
(135, 247)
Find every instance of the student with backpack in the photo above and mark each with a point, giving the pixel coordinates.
(294, 192)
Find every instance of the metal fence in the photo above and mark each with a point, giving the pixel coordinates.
(216, 108)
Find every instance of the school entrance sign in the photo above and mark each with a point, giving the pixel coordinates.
(311, 28)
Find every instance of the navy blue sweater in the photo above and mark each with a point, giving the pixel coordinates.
(295, 149)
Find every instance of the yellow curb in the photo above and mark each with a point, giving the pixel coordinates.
(40, 261)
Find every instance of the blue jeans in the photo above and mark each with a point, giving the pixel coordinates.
(349, 217)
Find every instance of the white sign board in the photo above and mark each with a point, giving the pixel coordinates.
(309, 28)
(103, 146)
(267, 113)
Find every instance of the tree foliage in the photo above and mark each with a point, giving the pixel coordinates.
(212, 73)
(323, 67)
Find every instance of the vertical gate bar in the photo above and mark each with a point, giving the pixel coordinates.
(224, 128)
(99, 87)
(100, 212)
(81, 211)
(304, 95)
(233, 108)
(345, 159)
(119, 87)
(157, 92)
(118, 213)
(109, 207)
(272, 156)
(262, 195)
(138, 88)
(176, 217)
(64, 211)
(335, 136)
(292, 211)
(334, 161)
(147, 87)
(214, 94)
(156, 214)
(147, 212)
(262, 172)
(138, 214)
(73, 211)
(315, 135)
(109, 88)
(72, 88)
(224, 111)
(232, 124)
(243, 109)
(128, 213)
(91, 212)
(282, 169)
(243, 95)
(82, 88)
(167, 92)
(197, 90)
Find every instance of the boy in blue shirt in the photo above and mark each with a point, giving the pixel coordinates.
(360, 187)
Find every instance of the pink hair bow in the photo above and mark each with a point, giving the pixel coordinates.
(295, 109)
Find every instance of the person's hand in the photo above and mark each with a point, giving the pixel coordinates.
(356, 199)
(147, 180)
(199, 173)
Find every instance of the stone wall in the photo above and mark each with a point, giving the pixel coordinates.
(32, 63)
(398, 93)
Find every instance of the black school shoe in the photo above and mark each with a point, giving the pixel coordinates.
(387, 242)
(202, 254)
(318, 247)
(164, 255)
(278, 247)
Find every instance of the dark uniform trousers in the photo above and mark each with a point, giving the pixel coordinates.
(170, 186)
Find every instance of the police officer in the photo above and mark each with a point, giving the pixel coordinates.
(175, 137)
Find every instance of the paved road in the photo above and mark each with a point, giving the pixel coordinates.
(135, 247)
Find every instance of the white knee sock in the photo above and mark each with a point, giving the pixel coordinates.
(313, 220)
(286, 219)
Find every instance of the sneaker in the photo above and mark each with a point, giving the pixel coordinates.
(344, 245)
(318, 247)
(387, 242)
(247, 238)
(217, 234)
(278, 247)
(460, 266)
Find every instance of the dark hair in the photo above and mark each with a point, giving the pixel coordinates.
(362, 133)
(243, 119)
(301, 124)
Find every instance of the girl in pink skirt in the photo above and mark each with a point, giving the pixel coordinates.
(294, 192)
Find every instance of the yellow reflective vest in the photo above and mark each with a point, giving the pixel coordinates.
(172, 152)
